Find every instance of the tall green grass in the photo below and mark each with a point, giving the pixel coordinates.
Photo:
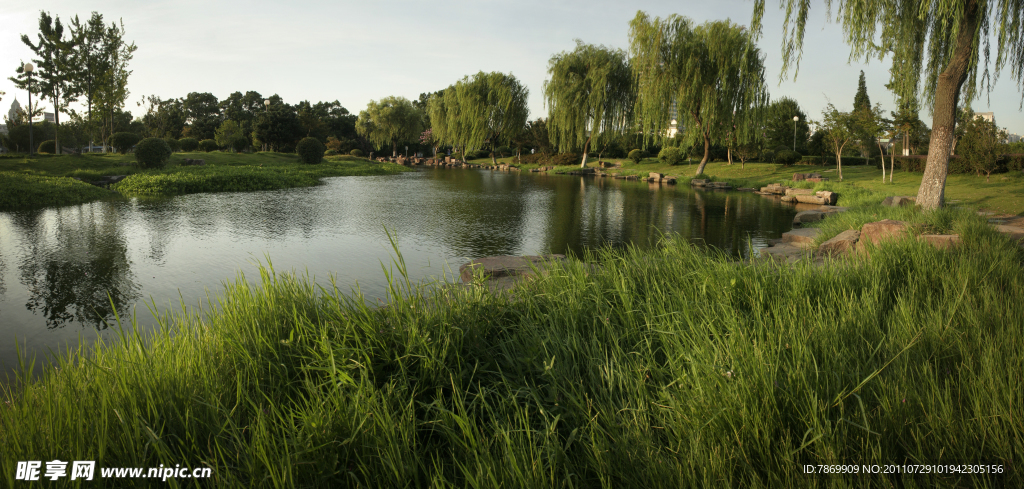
(664, 368)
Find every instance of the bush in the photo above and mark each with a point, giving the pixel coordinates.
(152, 153)
(173, 144)
(787, 157)
(48, 146)
(670, 155)
(636, 155)
(358, 153)
(188, 144)
(208, 145)
(239, 144)
(310, 150)
(123, 141)
(768, 156)
(1014, 162)
(330, 152)
(504, 150)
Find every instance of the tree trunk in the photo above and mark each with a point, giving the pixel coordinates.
(707, 154)
(931, 194)
(56, 122)
(728, 153)
(586, 147)
(881, 156)
(394, 149)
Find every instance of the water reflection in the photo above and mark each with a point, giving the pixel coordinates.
(74, 258)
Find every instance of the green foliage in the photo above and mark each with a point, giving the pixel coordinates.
(310, 151)
(670, 156)
(589, 96)
(390, 121)
(779, 125)
(49, 147)
(152, 153)
(189, 145)
(24, 191)
(358, 153)
(979, 144)
(787, 157)
(487, 107)
(228, 134)
(240, 144)
(174, 144)
(123, 141)
(636, 155)
(331, 152)
(208, 145)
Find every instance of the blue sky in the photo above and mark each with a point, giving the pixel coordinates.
(355, 52)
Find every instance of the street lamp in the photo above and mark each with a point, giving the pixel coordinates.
(795, 118)
(266, 106)
(28, 70)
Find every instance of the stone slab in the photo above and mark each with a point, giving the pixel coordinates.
(843, 243)
(506, 266)
(803, 237)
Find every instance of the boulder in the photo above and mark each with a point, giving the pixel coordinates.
(875, 232)
(807, 217)
(789, 198)
(719, 185)
(810, 199)
(830, 198)
(941, 241)
(655, 177)
(699, 182)
(669, 180)
(801, 238)
(845, 242)
(898, 201)
(799, 191)
(507, 266)
(784, 253)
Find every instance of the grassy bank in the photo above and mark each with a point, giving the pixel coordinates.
(1003, 193)
(46, 180)
(667, 368)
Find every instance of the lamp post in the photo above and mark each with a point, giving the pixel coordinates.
(266, 106)
(28, 70)
(795, 118)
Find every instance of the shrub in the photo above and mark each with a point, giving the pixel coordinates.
(670, 155)
(152, 153)
(457, 156)
(310, 150)
(358, 153)
(787, 157)
(208, 145)
(768, 156)
(48, 146)
(504, 150)
(239, 144)
(330, 152)
(565, 159)
(123, 141)
(188, 144)
(173, 144)
(636, 155)
(1014, 162)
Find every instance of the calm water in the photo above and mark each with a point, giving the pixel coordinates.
(57, 266)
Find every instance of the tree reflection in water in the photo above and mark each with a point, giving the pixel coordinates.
(76, 267)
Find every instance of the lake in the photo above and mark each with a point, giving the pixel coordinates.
(58, 265)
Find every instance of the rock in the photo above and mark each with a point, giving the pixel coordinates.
(898, 201)
(789, 198)
(830, 198)
(784, 253)
(806, 217)
(719, 185)
(845, 242)
(747, 189)
(1014, 232)
(699, 182)
(874, 232)
(655, 177)
(507, 266)
(799, 191)
(669, 180)
(941, 241)
(810, 199)
(802, 238)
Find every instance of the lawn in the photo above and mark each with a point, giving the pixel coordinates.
(46, 180)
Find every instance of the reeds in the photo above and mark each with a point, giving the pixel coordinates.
(664, 368)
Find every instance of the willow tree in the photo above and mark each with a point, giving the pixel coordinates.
(391, 120)
(941, 40)
(589, 95)
(487, 108)
(710, 72)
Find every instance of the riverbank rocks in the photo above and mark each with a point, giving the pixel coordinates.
(498, 267)
(875, 232)
(699, 182)
(774, 189)
(801, 238)
(843, 243)
(898, 201)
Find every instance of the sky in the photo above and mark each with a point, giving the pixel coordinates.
(355, 52)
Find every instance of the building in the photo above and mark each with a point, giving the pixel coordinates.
(987, 116)
(15, 107)
(1014, 138)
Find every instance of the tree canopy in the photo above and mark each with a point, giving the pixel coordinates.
(590, 94)
(487, 108)
(712, 73)
(938, 41)
(390, 120)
